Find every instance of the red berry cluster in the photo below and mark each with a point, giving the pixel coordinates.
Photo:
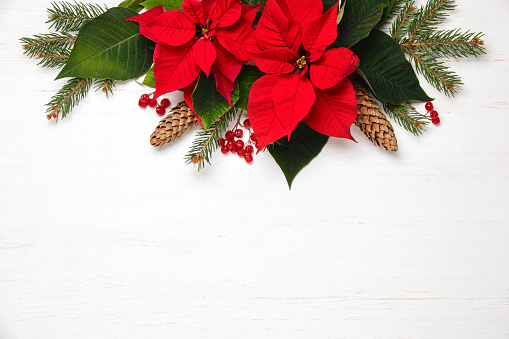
(243, 149)
(146, 101)
(432, 113)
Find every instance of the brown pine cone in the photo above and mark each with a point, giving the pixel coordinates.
(373, 122)
(180, 119)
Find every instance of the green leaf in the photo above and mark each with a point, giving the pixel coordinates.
(304, 145)
(341, 12)
(132, 4)
(247, 76)
(168, 5)
(358, 20)
(150, 79)
(110, 48)
(208, 104)
(386, 70)
(253, 2)
(387, 11)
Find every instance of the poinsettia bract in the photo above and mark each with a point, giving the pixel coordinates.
(305, 81)
(211, 35)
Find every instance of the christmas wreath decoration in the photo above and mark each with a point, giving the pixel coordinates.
(302, 70)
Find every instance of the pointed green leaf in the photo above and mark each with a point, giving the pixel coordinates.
(208, 104)
(387, 11)
(150, 79)
(132, 4)
(292, 155)
(247, 76)
(110, 48)
(341, 12)
(386, 70)
(168, 5)
(359, 18)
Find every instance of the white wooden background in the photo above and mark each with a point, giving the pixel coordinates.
(103, 236)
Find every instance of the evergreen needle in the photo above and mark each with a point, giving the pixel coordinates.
(205, 142)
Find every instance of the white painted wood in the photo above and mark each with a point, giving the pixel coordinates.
(103, 236)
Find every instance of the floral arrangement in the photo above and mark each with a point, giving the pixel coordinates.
(304, 70)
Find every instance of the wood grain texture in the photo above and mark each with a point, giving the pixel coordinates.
(104, 236)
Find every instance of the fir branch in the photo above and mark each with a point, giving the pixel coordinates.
(429, 16)
(67, 97)
(448, 44)
(397, 7)
(400, 25)
(52, 43)
(105, 85)
(205, 142)
(406, 116)
(53, 60)
(436, 73)
(67, 16)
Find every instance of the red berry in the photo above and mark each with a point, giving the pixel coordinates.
(429, 106)
(436, 121)
(248, 158)
(224, 149)
(256, 145)
(221, 142)
(165, 103)
(160, 110)
(152, 103)
(239, 144)
(229, 135)
(142, 103)
(234, 150)
(239, 133)
(253, 138)
(145, 97)
(241, 152)
(247, 123)
(249, 149)
(230, 144)
(433, 114)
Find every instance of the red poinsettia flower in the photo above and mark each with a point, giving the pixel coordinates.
(211, 35)
(306, 82)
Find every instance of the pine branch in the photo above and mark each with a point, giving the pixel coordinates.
(106, 85)
(397, 8)
(205, 142)
(401, 22)
(67, 97)
(428, 17)
(53, 60)
(52, 43)
(436, 73)
(67, 16)
(406, 116)
(448, 44)
(53, 49)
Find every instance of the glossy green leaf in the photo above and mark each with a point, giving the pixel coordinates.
(208, 104)
(132, 4)
(386, 70)
(110, 48)
(247, 76)
(168, 5)
(292, 155)
(359, 18)
(150, 79)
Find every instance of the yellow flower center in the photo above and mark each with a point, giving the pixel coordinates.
(301, 62)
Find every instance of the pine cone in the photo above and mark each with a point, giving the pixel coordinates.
(173, 125)
(373, 122)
